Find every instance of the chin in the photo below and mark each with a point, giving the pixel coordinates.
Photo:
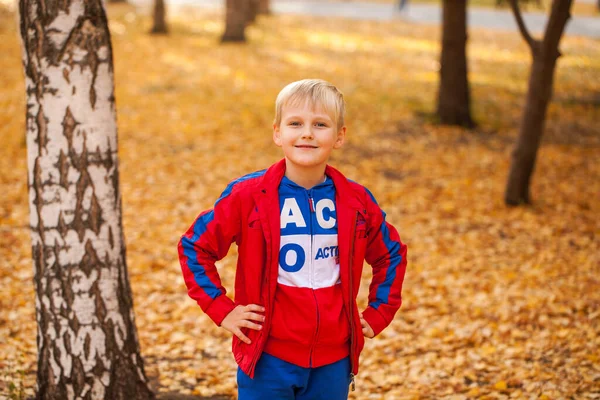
(305, 163)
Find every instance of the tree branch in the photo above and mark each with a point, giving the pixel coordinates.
(517, 12)
(559, 16)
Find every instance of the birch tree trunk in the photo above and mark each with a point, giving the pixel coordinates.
(454, 107)
(87, 341)
(544, 53)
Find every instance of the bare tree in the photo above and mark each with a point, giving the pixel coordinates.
(454, 106)
(236, 17)
(87, 340)
(541, 77)
(160, 21)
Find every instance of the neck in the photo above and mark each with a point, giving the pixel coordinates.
(307, 178)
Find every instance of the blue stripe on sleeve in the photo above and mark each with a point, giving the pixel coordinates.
(188, 250)
(393, 248)
(371, 195)
(229, 187)
(200, 227)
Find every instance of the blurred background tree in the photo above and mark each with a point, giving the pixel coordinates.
(265, 7)
(159, 18)
(453, 106)
(253, 10)
(237, 15)
(544, 55)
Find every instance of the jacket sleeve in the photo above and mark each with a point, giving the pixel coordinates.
(205, 242)
(387, 256)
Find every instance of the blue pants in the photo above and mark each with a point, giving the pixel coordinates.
(275, 379)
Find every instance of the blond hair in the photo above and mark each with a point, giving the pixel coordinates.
(318, 93)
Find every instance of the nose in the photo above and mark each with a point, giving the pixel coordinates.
(307, 133)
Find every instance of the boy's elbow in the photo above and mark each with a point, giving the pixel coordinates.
(186, 242)
(182, 244)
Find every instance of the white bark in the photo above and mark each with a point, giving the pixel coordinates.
(83, 300)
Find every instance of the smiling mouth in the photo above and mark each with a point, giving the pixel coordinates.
(305, 146)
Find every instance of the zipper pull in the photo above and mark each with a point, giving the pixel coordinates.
(352, 384)
(311, 204)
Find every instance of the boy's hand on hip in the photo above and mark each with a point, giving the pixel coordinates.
(242, 317)
(366, 328)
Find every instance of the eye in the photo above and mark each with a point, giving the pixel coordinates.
(294, 123)
(321, 124)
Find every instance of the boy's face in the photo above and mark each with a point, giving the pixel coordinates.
(307, 136)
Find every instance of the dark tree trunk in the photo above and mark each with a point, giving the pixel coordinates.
(160, 21)
(531, 129)
(87, 341)
(264, 7)
(453, 97)
(253, 9)
(236, 17)
(539, 93)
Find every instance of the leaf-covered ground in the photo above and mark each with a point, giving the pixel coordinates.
(498, 302)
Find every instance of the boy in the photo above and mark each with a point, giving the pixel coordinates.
(303, 231)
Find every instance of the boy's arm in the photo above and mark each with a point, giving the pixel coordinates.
(205, 242)
(387, 256)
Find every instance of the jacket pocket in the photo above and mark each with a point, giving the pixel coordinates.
(254, 219)
(334, 326)
(294, 315)
(360, 231)
(361, 235)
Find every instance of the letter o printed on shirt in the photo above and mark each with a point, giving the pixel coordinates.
(286, 254)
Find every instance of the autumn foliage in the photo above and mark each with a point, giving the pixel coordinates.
(498, 302)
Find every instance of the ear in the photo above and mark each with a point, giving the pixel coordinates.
(276, 135)
(341, 137)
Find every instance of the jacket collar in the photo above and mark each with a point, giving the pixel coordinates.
(346, 193)
(272, 178)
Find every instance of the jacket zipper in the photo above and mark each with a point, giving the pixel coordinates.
(311, 205)
(310, 231)
(312, 348)
(351, 302)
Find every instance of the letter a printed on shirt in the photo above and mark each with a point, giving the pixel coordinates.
(291, 214)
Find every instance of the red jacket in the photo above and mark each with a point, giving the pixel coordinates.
(248, 213)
